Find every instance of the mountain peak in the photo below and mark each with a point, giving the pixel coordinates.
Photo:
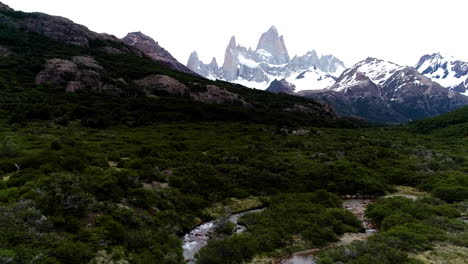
(232, 42)
(194, 55)
(214, 62)
(445, 70)
(271, 42)
(273, 29)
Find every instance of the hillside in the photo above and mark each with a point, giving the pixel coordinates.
(450, 124)
(109, 83)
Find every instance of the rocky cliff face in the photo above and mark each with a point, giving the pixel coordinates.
(270, 61)
(445, 70)
(81, 72)
(55, 27)
(151, 48)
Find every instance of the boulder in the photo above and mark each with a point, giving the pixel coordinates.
(158, 83)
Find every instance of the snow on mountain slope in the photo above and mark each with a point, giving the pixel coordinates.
(375, 70)
(311, 79)
(445, 70)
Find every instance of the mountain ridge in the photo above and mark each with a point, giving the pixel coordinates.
(387, 92)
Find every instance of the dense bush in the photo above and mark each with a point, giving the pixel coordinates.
(405, 226)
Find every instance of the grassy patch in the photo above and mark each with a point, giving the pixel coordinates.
(234, 205)
(444, 254)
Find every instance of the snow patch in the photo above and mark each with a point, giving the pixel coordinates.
(312, 79)
(247, 62)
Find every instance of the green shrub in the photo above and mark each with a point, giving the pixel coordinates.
(73, 252)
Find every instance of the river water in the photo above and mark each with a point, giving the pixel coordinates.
(199, 236)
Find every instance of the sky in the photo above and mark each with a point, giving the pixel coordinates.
(400, 31)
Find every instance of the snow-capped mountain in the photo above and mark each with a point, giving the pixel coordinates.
(377, 71)
(446, 70)
(268, 62)
(383, 91)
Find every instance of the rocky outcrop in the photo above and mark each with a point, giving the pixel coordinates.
(59, 28)
(281, 86)
(79, 73)
(55, 27)
(165, 85)
(217, 95)
(162, 84)
(151, 48)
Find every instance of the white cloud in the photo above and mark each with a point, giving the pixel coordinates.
(396, 30)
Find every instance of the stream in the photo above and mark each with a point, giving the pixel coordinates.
(199, 236)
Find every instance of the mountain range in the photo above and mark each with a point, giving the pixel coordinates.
(269, 61)
(373, 89)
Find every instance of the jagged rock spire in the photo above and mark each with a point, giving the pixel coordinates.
(273, 43)
(230, 60)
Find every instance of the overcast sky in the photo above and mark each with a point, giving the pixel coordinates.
(396, 30)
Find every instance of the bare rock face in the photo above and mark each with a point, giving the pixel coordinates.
(59, 28)
(217, 95)
(151, 48)
(57, 71)
(156, 84)
(87, 62)
(55, 27)
(162, 84)
(281, 87)
(79, 73)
